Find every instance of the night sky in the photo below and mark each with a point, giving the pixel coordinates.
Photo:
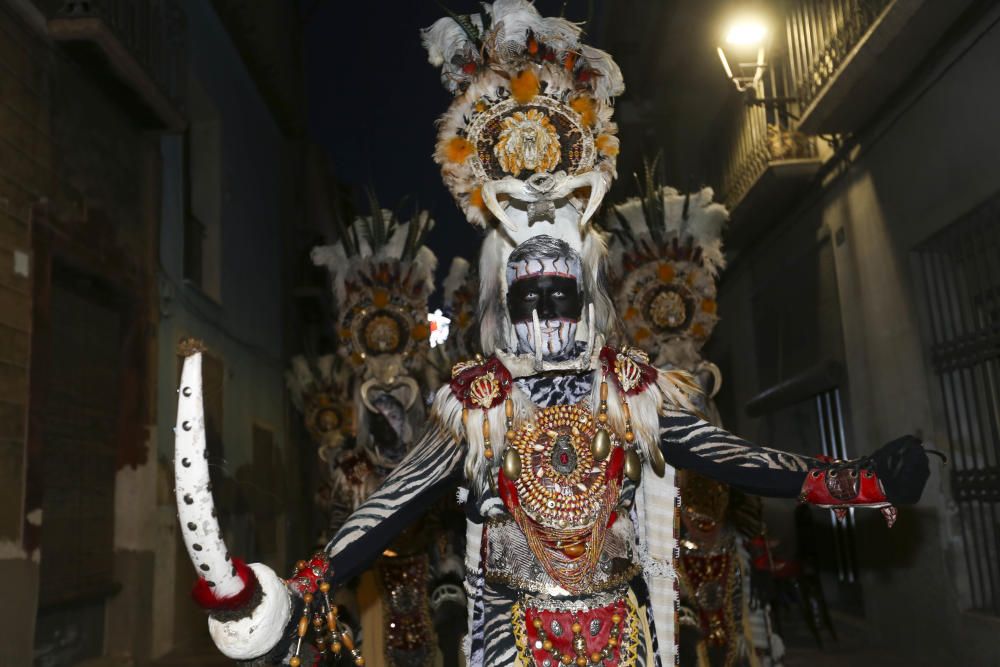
(373, 99)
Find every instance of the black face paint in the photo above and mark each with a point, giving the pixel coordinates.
(554, 297)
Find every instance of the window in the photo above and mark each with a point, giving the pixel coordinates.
(960, 278)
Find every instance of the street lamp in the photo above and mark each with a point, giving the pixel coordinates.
(746, 32)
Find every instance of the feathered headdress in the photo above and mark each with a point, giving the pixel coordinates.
(666, 254)
(321, 391)
(381, 275)
(520, 78)
(528, 146)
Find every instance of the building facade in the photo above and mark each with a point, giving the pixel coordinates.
(860, 303)
(149, 161)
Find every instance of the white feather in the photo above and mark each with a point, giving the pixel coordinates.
(458, 272)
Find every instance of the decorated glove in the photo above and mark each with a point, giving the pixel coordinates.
(311, 581)
(894, 475)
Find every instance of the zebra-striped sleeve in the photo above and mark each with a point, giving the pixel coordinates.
(688, 442)
(429, 470)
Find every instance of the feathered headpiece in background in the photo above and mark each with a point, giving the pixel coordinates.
(321, 390)
(381, 275)
(665, 257)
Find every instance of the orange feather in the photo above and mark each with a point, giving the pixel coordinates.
(524, 86)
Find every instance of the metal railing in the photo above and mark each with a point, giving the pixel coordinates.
(820, 34)
(961, 280)
(761, 132)
(153, 32)
(830, 416)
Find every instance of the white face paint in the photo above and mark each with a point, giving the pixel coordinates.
(556, 336)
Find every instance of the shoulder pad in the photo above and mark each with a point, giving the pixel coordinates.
(630, 369)
(480, 383)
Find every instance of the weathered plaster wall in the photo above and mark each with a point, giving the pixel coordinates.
(244, 329)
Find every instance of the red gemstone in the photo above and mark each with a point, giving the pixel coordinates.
(564, 458)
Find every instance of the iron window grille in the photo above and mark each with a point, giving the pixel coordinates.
(959, 269)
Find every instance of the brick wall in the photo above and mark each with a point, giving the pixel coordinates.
(78, 182)
(25, 175)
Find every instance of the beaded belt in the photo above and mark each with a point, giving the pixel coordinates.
(592, 631)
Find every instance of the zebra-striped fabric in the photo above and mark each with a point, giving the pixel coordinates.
(413, 486)
(689, 442)
(557, 389)
(499, 647)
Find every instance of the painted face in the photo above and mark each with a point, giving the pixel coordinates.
(543, 282)
(557, 301)
(554, 297)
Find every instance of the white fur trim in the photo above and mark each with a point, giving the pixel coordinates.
(255, 635)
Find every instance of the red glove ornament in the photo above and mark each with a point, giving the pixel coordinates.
(309, 574)
(895, 474)
(846, 485)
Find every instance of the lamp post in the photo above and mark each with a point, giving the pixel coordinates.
(745, 43)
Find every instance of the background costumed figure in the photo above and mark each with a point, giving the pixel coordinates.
(666, 255)
(321, 392)
(381, 275)
(567, 448)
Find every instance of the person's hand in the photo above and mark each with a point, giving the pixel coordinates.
(894, 475)
(902, 467)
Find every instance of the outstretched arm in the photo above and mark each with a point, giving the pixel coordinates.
(429, 470)
(413, 486)
(894, 475)
(688, 442)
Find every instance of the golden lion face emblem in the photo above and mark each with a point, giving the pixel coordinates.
(528, 140)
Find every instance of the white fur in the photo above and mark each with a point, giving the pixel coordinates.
(672, 389)
(447, 410)
(254, 635)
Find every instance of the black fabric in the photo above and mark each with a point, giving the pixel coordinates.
(554, 297)
(903, 468)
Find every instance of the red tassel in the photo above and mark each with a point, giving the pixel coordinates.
(616, 465)
(508, 492)
(207, 599)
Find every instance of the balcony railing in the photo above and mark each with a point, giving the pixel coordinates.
(765, 159)
(760, 140)
(843, 53)
(820, 35)
(139, 43)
